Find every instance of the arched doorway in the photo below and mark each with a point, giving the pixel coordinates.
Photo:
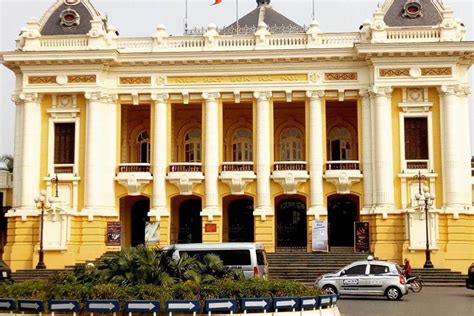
(134, 215)
(291, 224)
(240, 221)
(342, 214)
(190, 222)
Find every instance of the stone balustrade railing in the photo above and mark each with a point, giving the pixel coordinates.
(186, 167)
(289, 166)
(404, 35)
(237, 166)
(417, 164)
(134, 167)
(343, 165)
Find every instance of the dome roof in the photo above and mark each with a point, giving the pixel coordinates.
(277, 23)
(69, 17)
(413, 13)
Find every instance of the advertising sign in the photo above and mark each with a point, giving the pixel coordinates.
(114, 233)
(362, 237)
(152, 233)
(320, 235)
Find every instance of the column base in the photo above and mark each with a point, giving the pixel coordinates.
(384, 210)
(211, 211)
(23, 212)
(263, 212)
(158, 212)
(458, 209)
(317, 211)
(90, 212)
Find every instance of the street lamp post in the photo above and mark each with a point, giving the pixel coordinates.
(41, 204)
(425, 200)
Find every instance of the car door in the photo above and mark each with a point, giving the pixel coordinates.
(352, 280)
(379, 276)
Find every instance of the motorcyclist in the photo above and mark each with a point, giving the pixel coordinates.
(407, 271)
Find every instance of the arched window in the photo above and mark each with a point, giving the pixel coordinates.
(143, 147)
(340, 142)
(192, 145)
(291, 145)
(242, 145)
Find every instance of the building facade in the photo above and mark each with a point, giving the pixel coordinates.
(249, 133)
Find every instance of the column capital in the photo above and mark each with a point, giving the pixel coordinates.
(365, 93)
(99, 96)
(457, 90)
(28, 97)
(315, 94)
(378, 91)
(262, 95)
(93, 96)
(211, 96)
(16, 99)
(160, 97)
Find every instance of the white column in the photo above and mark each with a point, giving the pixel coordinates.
(383, 159)
(367, 150)
(316, 154)
(455, 146)
(264, 149)
(18, 146)
(98, 202)
(29, 181)
(160, 155)
(110, 156)
(211, 148)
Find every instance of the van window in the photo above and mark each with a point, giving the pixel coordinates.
(228, 257)
(261, 259)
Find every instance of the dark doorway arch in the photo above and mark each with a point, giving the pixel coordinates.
(291, 224)
(240, 221)
(343, 212)
(140, 211)
(190, 222)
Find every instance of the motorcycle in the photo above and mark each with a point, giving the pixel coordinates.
(415, 284)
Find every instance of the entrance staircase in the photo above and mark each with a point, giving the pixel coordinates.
(307, 267)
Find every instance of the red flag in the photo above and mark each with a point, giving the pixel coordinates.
(217, 2)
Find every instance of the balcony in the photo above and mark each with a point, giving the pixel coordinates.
(290, 174)
(416, 165)
(237, 175)
(63, 168)
(134, 177)
(185, 175)
(343, 173)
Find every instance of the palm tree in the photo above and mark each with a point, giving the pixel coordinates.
(7, 161)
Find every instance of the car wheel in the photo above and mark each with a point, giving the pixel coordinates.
(330, 289)
(393, 293)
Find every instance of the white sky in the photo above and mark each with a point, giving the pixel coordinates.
(140, 18)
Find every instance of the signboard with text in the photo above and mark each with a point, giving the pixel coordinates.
(320, 235)
(114, 233)
(362, 237)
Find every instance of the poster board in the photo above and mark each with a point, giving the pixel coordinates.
(361, 237)
(152, 233)
(319, 232)
(114, 234)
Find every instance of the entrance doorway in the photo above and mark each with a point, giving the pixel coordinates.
(291, 224)
(342, 214)
(240, 221)
(134, 215)
(190, 222)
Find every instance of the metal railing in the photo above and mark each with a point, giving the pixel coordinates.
(134, 167)
(343, 165)
(289, 166)
(237, 166)
(186, 167)
(64, 168)
(417, 164)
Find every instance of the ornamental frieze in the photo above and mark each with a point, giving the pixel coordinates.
(238, 79)
(42, 79)
(135, 80)
(82, 79)
(340, 76)
(440, 71)
(396, 72)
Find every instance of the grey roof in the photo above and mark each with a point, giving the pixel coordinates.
(53, 26)
(430, 14)
(264, 12)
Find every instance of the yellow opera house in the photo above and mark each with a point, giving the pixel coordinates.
(263, 131)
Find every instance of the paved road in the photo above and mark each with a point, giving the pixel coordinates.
(432, 301)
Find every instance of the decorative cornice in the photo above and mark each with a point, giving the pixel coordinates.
(381, 91)
(29, 97)
(135, 80)
(341, 76)
(42, 80)
(82, 79)
(101, 97)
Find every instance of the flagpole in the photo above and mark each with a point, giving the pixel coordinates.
(313, 12)
(186, 20)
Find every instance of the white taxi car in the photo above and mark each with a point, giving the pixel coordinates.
(369, 277)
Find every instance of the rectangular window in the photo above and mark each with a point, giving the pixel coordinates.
(416, 138)
(64, 140)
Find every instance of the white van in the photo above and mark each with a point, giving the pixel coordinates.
(248, 257)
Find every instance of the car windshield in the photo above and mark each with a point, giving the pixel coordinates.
(399, 269)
